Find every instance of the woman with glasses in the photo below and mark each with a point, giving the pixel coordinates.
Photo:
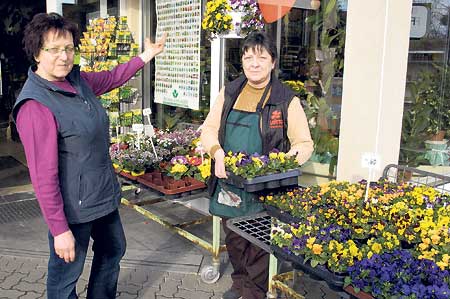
(65, 134)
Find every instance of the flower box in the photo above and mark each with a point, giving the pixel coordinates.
(269, 181)
(334, 280)
(359, 295)
(168, 185)
(128, 175)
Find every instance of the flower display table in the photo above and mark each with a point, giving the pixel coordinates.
(257, 230)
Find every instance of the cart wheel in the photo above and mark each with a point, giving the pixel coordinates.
(137, 191)
(209, 274)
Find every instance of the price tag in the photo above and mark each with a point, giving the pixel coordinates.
(149, 130)
(138, 128)
(147, 111)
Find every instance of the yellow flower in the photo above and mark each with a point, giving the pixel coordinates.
(376, 247)
(180, 168)
(219, 16)
(435, 239)
(317, 249)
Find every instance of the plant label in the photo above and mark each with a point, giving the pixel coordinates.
(138, 128)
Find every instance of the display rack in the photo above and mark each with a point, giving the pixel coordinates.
(398, 173)
(106, 43)
(257, 228)
(210, 273)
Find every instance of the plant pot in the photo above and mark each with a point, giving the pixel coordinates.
(174, 184)
(404, 176)
(439, 136)
(137, 173)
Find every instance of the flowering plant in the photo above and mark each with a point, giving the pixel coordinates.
(251, 15)
(250, 166)
(203, 170)
(177, 143)
(193, 166)
(178, 167)
(217, 19)
(131, 159)
(399, 275)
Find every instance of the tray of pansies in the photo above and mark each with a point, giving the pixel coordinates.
(405, 228)
(257, 172)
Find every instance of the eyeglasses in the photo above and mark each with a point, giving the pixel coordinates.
(57, 51)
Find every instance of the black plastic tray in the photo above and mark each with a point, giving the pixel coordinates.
(334, 280)
(281, 215)
(269, 181)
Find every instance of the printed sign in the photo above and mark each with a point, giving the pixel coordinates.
(177, 69)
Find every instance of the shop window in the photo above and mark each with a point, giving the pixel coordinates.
(311, 55)
(426, 118)
(311, 60)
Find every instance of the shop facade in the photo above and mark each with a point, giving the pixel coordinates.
(362, 109)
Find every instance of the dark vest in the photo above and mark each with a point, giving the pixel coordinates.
(273, 118)
(87, 180)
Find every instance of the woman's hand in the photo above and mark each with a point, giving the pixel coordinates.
(153, 49)
(65, 246)
(219, 166)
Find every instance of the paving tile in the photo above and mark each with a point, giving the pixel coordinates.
(189, 282)
(12, 265)
(31, 295)
(3, 275)
(11, 281)
(8, 294)
(125, 295)
(30, 287)
(193, 294)
(28, 266)
(34, 276)
(139, 276)
(168, 288)
(129, 288)
(148, 292)
(176, 276)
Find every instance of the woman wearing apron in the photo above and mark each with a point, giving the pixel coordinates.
(254, 113)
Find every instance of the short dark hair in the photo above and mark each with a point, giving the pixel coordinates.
(42, 23)
(258, 40)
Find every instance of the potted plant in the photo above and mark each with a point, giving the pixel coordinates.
(429, 101)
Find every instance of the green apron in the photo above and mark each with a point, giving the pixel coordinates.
(242, 133)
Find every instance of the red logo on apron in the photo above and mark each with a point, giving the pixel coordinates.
(276, 120)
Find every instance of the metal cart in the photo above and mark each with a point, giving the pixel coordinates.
(210, 273)
(257, 228)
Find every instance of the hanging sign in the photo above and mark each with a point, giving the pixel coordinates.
(419, 21)
(177, 69)
(274, 10)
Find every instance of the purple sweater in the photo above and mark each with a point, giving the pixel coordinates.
(38, 131)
